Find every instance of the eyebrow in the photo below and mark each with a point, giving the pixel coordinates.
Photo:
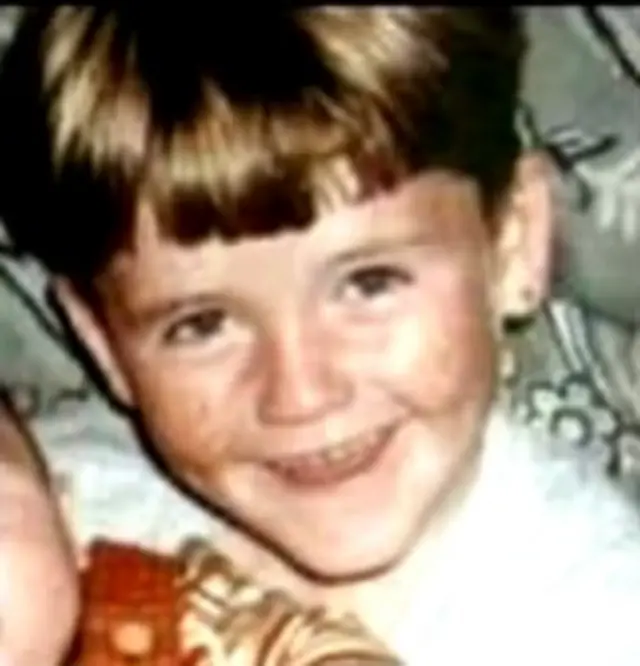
(378, 246)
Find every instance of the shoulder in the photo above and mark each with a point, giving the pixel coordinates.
(578, 535)
(562, 487)
(558, 509)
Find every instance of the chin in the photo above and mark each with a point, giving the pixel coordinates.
(347, 565)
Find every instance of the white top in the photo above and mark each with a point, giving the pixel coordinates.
(542, 567)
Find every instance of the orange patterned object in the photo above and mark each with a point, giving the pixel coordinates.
(196, 609)
(131, 609)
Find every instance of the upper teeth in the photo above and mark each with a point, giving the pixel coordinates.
(342, 451)
(332, 454)
(336, 453)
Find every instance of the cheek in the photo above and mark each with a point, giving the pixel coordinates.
(186, 415)
(444, 353)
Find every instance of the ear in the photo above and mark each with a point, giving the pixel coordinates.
(524, 241)
(86, 324)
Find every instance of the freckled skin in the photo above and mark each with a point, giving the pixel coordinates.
(301, 368)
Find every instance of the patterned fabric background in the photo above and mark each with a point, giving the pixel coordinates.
(583, 85)
(578, 365)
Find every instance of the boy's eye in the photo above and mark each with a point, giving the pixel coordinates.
(197, 327)
(373, 282)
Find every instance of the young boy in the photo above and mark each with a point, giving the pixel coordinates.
(289, 242)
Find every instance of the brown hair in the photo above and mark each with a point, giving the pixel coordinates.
(235, 124)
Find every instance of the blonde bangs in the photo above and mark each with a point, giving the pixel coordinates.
(254, 170)
(231, 168)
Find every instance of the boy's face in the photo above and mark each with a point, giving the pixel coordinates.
(326, 387)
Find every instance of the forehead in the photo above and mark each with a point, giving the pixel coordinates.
(438, 205)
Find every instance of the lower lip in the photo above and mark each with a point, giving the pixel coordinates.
(318, 475)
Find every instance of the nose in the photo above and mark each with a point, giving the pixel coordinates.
(301, 381)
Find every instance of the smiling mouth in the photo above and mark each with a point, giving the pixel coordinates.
(333, 464)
